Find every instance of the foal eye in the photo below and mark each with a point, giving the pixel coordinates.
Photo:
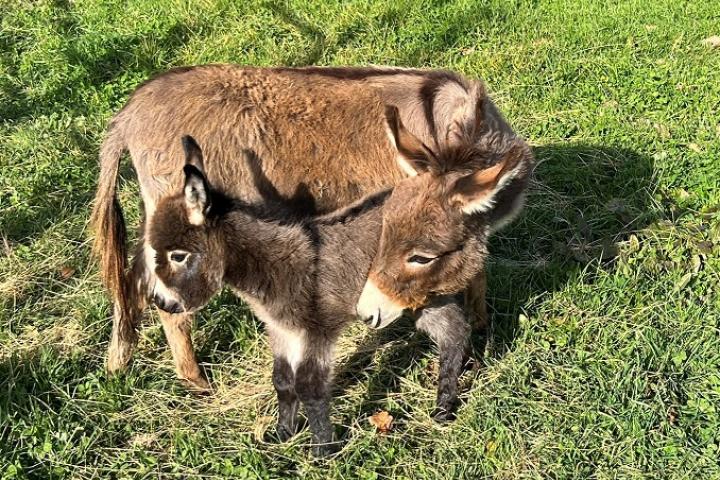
(178, 257)
(420, 259)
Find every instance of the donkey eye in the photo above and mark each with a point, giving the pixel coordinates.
(178, 257)
(420, 259)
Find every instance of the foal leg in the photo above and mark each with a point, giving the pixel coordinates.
(177, 329)
(312, 379)
(284, 382)
(444, 321)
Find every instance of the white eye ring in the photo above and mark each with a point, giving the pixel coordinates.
(178, 257)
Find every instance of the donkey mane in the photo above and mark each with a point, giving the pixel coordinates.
(223, 204)
(353, 210)
(463, 158)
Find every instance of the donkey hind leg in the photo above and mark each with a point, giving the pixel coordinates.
(126, 321)
(122, 340)
(475, 303)
(177, 329)
(312, 384)
(444, 321)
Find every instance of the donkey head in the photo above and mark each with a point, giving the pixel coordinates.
(436, 222)
(183, 251)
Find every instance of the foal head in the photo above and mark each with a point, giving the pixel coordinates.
(183, 249)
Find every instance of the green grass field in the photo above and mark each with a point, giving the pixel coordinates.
(604, 359)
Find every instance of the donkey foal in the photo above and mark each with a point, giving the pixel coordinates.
(303, 280)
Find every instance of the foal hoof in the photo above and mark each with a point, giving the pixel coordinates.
(281, 434)
(443, 415)
(325, 450)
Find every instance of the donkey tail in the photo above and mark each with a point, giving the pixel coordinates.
(107, 220)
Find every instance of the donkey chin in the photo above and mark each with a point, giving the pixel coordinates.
(377, 309)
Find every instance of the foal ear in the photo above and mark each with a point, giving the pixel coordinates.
(193, 153)
(197, 189)
(413, 156)
(476, 192)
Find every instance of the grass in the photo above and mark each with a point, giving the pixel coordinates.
(605, 358)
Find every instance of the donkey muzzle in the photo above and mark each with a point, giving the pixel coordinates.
(373, 320)
(377, 309)
(169, 306)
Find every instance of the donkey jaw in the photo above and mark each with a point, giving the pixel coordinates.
(377, 309)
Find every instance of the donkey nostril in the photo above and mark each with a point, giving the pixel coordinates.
(157, 300)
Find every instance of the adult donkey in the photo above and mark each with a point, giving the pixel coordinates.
(308, 139)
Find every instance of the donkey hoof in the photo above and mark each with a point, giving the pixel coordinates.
(284, 433)
(280, 434)
(118, 359)
(198, 385)
(324, 450)
(443, 415)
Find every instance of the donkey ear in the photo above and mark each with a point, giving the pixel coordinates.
(193, 153)
(459, 113)
(477, 192)
(197, 195)
(197, 189)
(413, 156)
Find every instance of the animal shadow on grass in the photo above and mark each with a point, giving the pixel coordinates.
(583, 200)
(138, 53)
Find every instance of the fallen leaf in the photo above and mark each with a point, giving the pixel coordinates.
(662, 130)
(712, 42)
(66, 272)
(672, 416)
(697, 262)
(381, 420)
(684, 281)
(143, 440)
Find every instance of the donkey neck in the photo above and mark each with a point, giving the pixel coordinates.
(348, 241)
(266, 260)
(321, 263)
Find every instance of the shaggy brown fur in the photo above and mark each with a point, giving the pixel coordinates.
(304, 280)
(304, 139)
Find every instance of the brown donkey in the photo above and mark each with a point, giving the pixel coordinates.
(303, 139)
(304, 279)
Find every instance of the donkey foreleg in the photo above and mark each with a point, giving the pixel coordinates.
(444, 321)
(178, 329)
(475, 303)
(312, 379)
(284, 382)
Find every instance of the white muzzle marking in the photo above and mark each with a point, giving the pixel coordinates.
(156, 286)
(375, 308)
